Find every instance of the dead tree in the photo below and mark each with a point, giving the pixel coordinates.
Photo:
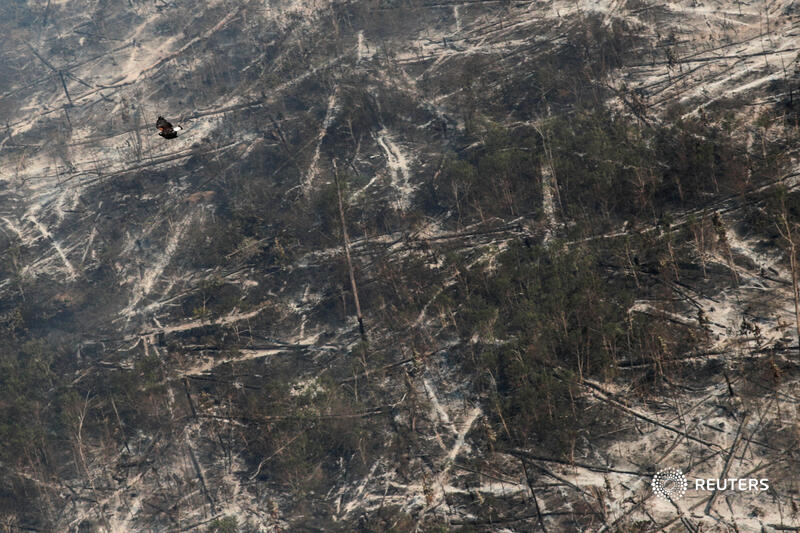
(58, 72)
(346, 245)
(81, 456)
(786, 233)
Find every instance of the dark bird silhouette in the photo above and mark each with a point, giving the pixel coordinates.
(165, 129)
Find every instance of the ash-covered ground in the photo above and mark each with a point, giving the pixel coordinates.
(571, 239)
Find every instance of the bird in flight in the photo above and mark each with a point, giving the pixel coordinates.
(165, 129)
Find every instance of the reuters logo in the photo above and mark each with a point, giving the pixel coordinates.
(670, 483)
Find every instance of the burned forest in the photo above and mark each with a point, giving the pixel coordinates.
(400, 266)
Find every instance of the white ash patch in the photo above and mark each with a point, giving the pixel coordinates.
(398, 163)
